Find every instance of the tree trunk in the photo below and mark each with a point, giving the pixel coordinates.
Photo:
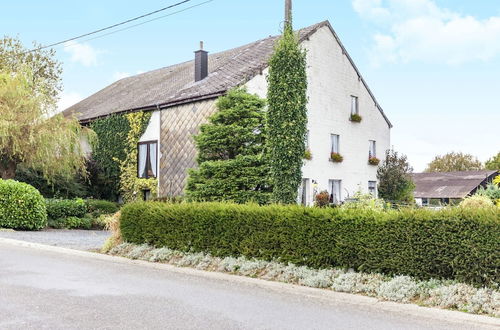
(7, 169)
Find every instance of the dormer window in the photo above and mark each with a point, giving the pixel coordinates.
(147, 160)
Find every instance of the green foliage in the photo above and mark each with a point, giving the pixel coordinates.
(336, 157)
(491, 191)
(493, 163)
(78, 223)
(130, 185)
(98, 207)
(230, 153)
(59, 187)
(395, 181)
(496, 180)
(64, 208)
(356, 118)
(47, 78)
(287, 116)
(454, 162)
(308, 154)
(30, 134)
(21, 206)
(362, 201)
(458, 243)
(237, 128)
(239, 180)
(112, 132)
(476, 201)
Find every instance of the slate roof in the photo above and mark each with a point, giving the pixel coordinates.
(173, 85)
(450, 184)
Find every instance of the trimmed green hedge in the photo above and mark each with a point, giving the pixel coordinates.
(21, 206)
(98, 207)
(64, 208)
(449, 244)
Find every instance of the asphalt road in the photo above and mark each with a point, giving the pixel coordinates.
(51, 289)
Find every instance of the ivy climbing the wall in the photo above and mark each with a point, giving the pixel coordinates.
(287, 116)
(131, 187)
(114, 156)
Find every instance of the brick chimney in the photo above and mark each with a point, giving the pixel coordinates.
(200, 63)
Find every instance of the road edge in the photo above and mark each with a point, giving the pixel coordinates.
(316, 293)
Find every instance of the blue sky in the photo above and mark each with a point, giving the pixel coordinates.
(434, 65)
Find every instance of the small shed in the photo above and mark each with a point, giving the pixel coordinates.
(448, 186)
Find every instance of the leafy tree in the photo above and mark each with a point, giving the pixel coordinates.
(493, 163)
(287, 116)
(454, 162)
(46, 70)
(230, 153)
(30, 136)
(394, 176)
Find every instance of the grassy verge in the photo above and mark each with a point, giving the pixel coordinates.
(404, 289)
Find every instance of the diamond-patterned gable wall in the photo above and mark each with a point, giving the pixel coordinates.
(178, 152)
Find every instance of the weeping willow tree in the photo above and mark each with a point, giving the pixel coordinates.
(31, 135)
(287, 116)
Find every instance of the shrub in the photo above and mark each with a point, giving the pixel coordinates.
(308, 154)
(21, 206)
(78, 223)
(365, 201)
(456, 243)
(64, 208)
(322, 199)
(99, 207)
(476, 201)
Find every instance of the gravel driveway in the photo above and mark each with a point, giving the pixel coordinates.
(73, 239)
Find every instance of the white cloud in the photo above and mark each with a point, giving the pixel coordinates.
(419, 30)
(120, 75)
(68, 99)
(84, 54)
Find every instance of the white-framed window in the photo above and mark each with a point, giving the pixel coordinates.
(425, 201)
(372, 151)
(147, 159)
(335, 187)
(354, 105)
(372, 188)
(335, 140)
(304, 192)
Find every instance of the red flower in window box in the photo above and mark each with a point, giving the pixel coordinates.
(373, 161)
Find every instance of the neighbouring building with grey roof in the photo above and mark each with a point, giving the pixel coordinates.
(444, 187)
(182, 97)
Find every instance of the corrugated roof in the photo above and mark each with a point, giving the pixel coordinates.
(175, 84)
(449, 184)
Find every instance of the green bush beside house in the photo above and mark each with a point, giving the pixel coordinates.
(21, 206)
(460, 244)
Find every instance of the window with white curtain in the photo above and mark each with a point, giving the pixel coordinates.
(335, 143)
(372, 149)
(372, 188)
(335, 191)
(354, 105)
(147, 159)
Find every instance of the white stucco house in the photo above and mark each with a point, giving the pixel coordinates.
(182, 97)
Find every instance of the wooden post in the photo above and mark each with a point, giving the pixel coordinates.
(288, 12)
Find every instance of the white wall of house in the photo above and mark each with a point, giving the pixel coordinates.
(332, 80)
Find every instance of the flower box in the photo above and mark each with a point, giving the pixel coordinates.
(373, 161)
(336, 157)
(355, 118)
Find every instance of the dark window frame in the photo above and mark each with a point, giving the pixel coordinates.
(148, 159)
